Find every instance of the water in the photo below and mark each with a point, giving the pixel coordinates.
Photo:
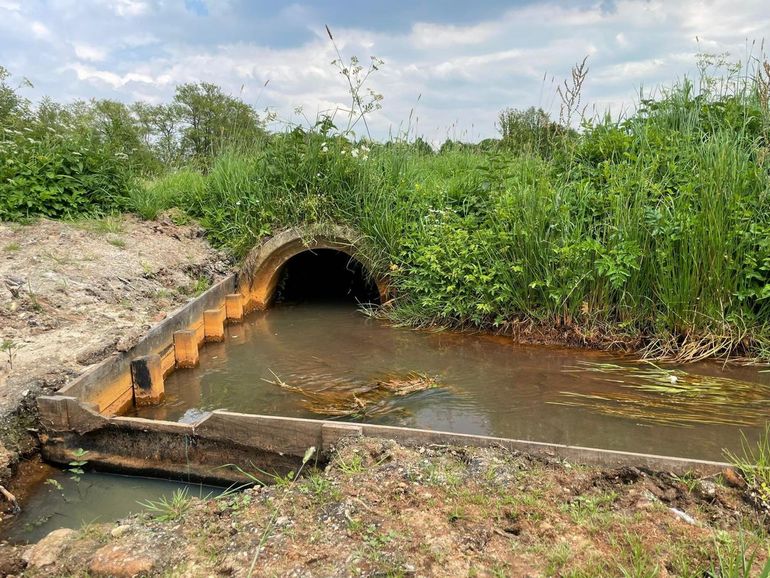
(486, 385)
(58, 501)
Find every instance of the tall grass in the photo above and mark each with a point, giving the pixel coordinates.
(654, 228)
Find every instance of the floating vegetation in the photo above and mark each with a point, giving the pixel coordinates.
(356, 400)
(671, 396)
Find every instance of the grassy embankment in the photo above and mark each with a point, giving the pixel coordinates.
(652, 231)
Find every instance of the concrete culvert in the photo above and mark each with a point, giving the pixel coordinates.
(325, 275)
(309, 264)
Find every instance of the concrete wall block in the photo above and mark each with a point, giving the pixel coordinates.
(234, 307)
(214, 324)
(186, 349)
(147, 379)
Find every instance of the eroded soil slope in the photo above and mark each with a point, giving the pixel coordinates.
(73, 293)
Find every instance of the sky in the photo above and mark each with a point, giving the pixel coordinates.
(449, 67)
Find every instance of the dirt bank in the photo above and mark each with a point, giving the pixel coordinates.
(73, 293)
(382, 509)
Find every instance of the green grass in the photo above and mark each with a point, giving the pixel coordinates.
(653, 229)
(754, 464)
(173, 190)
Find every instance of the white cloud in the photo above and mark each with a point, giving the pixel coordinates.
(90, 52)
(129, 8)
(465, 73)
(40, 30)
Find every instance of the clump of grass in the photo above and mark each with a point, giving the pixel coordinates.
(171, 190)
(754, 464)
(168, 510)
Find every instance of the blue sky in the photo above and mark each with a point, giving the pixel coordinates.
(456, 63)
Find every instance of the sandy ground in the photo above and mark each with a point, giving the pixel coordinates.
(73, 293)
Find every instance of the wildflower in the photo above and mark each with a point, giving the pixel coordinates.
(343, 152)
(237, 203)
(354, 153)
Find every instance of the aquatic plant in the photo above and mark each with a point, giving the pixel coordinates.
(352, 399)
(669, 396)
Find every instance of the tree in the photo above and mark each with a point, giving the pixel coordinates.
(530, 130)
(12, 105)
(212, 119)
(160, 130)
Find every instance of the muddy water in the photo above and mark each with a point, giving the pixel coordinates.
(485, 385)
(59, 501)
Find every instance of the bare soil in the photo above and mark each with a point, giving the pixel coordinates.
(382, 509)
(72, 293)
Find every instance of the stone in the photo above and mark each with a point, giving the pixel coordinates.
(684, 516)
(49, 549)
(121, 561)
(733, 479)
(706, 489)
(119, 531)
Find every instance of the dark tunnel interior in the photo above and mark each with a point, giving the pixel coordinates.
(325, 275)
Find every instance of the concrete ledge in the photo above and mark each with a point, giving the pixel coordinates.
(269, 439)
(108, 384)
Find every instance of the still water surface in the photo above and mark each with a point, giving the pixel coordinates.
(64, 502)
(485, 385)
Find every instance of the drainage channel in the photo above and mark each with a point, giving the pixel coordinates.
(93, 412)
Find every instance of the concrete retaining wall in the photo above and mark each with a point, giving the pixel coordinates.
(108, 385)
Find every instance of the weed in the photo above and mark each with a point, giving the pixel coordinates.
(11, 247)
(640, 563)
(75, 467)
(108, 225)
(199, 286)
(117, 242)
(736, 559)
(354, 465)
(309, 453)
(754, 464)
(457, 513)
(689, 480)
(10, 348)
(169, 510)
(583, 509)
(557, 558)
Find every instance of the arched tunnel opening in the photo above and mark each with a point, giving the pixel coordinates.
(325, 275)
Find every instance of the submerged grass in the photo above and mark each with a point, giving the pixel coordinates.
(670, 396)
